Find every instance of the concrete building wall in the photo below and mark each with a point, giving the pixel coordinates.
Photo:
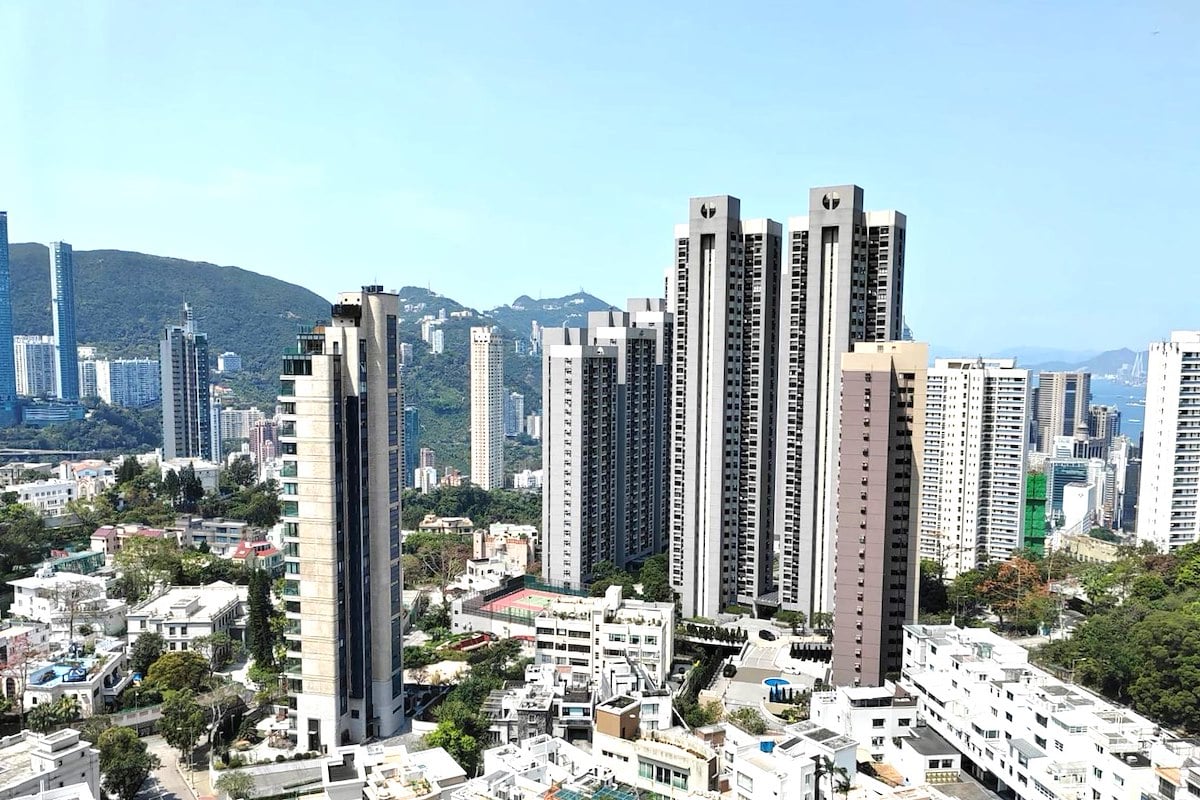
(725, 295)
(1062, 404)
(882, 413)
(1170, 469)
(843, 284)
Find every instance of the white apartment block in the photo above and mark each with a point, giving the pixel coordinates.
(487, 408)
(34, 357)
(341, 442)
(724, 297)
(33, 763)
(237, 423)
(48, 498)
(1038, 737)
(1170, 481)
(973, 465)
(132, 382)
(788, 768)
(593, 632)
(871, 715)
(842, 284)
(182, 614)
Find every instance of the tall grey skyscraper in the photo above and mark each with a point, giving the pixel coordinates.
(1167, 514)
(973, 478)
(1062, 405)
(606, 405)
(186, 392)
(878, 485)
(487, 408)
(8, 369)
(1104, 424)
(341, 441)
(843, 284)
(725, 300)
(62, 307)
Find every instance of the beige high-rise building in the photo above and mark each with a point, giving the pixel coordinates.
(878, 486)
(341, 443)
(843, 283)
(487, 408)
(1061, 405)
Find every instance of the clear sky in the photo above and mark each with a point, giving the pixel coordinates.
(1046, 153)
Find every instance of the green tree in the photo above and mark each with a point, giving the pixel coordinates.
(241, 473)
(182, 721)
(933, 598)
(130, 468)
(1166, 686)
(124, 762)
(177, 670)
(606, 574)
(47, 717)
(794, 619)
(171, 487)
(463, 747)
(190, 487)
(262, 636)
(655, 578)
(216, 648)
(235, 785)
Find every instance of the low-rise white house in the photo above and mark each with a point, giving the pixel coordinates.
(871, 715)
(67, 600)
(182, 614)
(1028, 733)
(31, 763)
(93, 680)
(592, 632)
(48, 498)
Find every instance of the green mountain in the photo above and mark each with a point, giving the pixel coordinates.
(552, 312)
(123, 300)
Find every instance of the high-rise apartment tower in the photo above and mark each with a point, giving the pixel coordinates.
(8, 369)
(186, 393)
(878, 484)
(62, 308)
(1170, 470)
(973, 473)
(1062, 405)
(724, 294)
(606, 403)
(487, 408)
(34, 357)
(341, 443)
(843, 283)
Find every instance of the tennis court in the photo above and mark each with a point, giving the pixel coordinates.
(524, 602)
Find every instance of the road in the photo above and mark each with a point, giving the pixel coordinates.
(165, 783)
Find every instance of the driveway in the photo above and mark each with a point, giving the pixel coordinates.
(166, 783)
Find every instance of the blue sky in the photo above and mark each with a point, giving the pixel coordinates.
(1046, 153)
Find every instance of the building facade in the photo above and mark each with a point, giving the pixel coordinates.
(973, 473)
(341, 441)
(229, 362)
(514, 414)
(606, 393)
(1167, 514)
(1104, 423)
(34, 358)
(843, 283)
(186, 393)
(88, 386)
(130, 382)
(724, 296)
(487, 408)
(1062, 405)
(62, 308)
(8, 374)
(412, 441)
(883, 425)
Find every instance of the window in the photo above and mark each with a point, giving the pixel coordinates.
(877, 722)
(905, 721)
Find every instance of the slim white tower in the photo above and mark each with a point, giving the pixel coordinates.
(487, 408)
(1170, 476)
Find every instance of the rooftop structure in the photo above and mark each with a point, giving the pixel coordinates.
(32, 762)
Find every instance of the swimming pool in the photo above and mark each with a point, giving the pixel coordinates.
(775, 682)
